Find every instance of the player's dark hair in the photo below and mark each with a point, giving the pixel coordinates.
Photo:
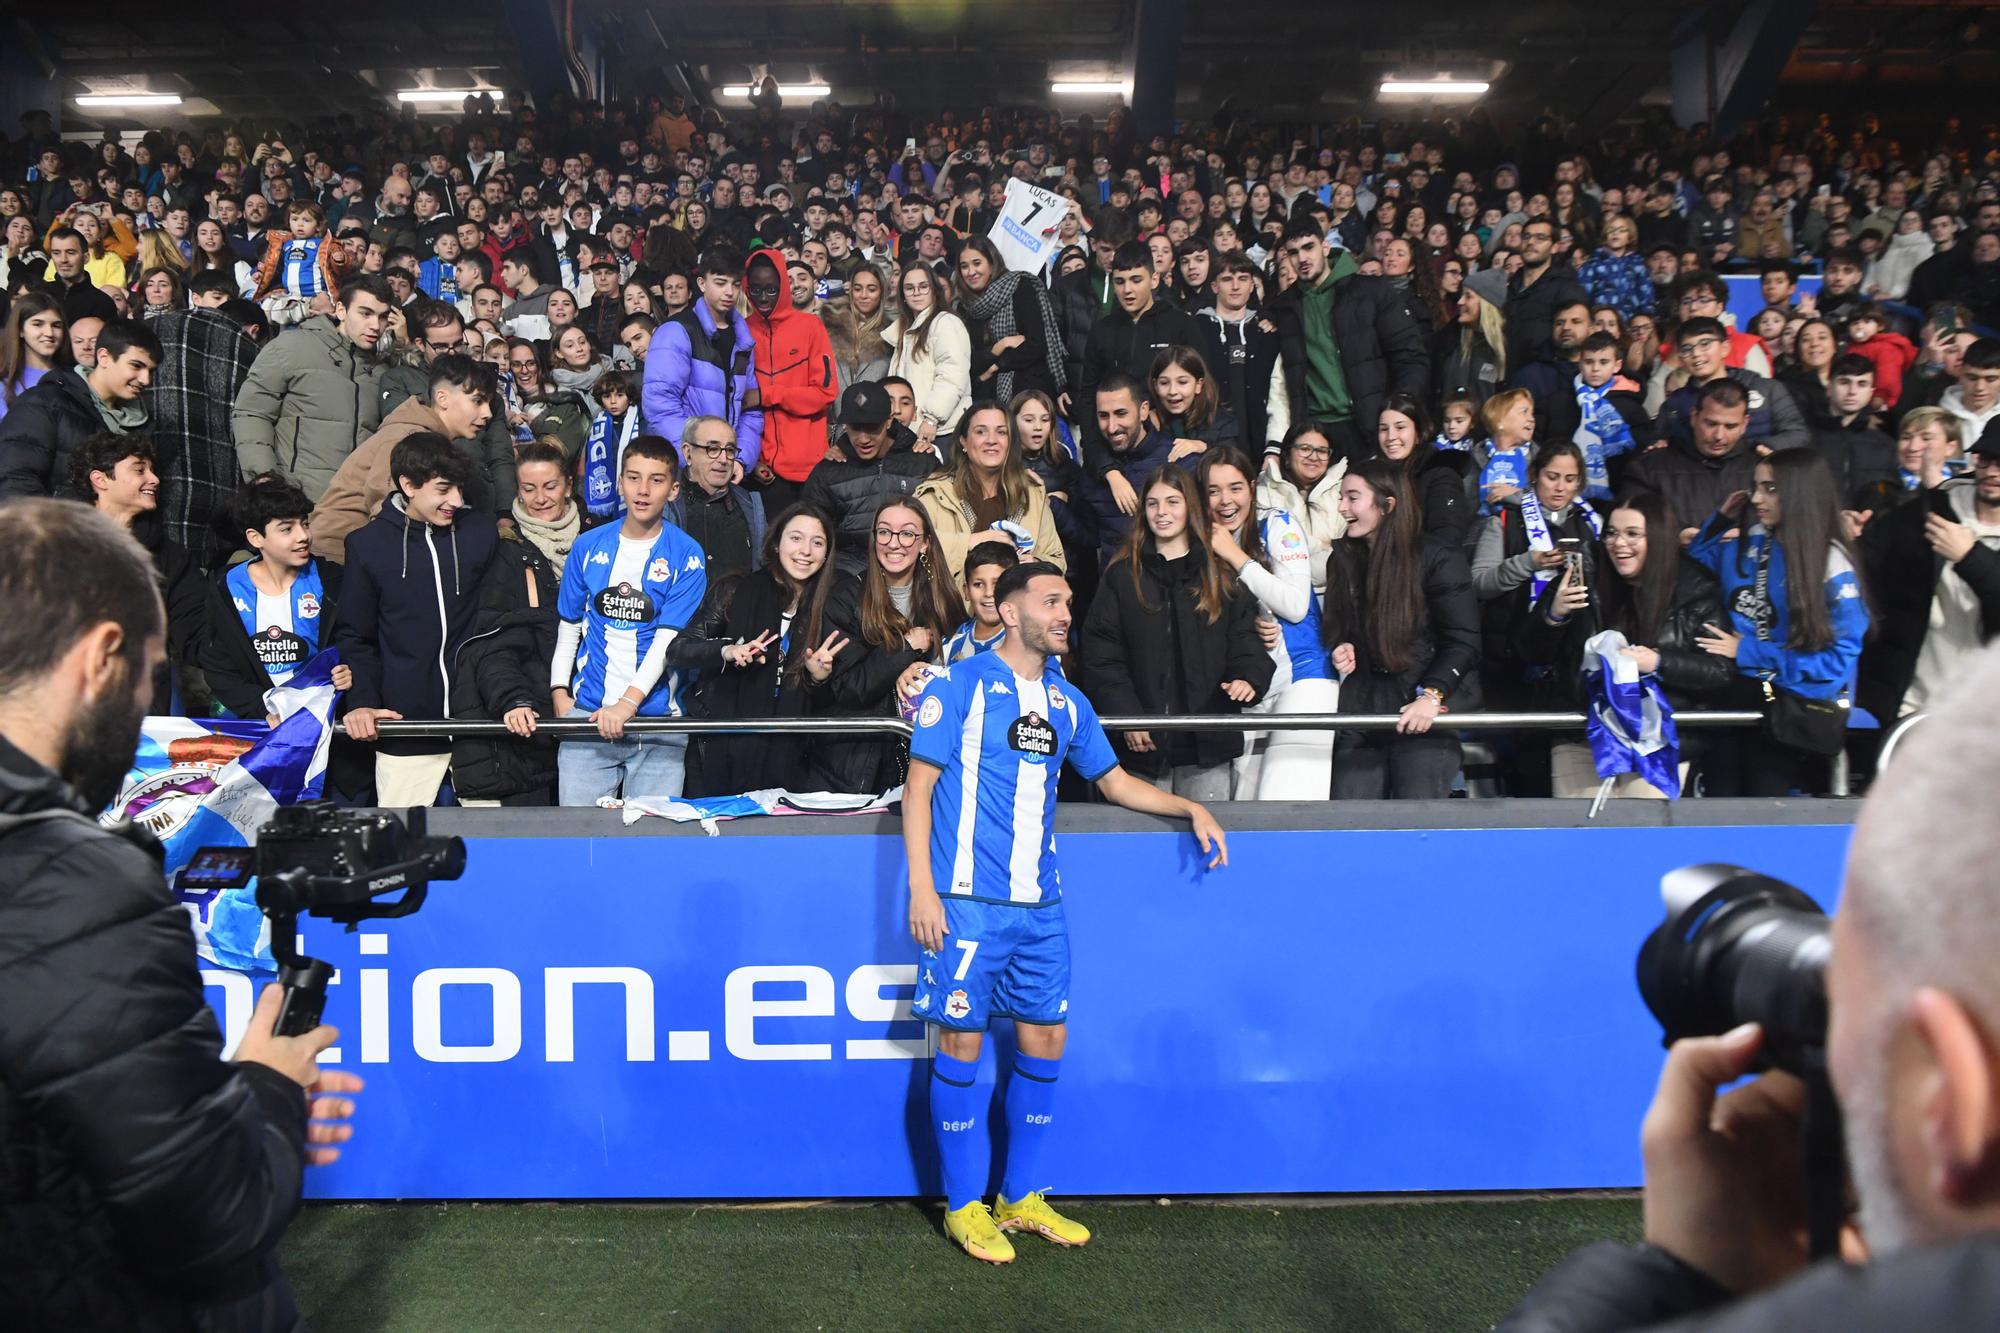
(266, 498)
(1020, 576)
(1120, 382)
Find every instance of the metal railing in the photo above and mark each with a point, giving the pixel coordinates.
(835, 726)
(1895, 738)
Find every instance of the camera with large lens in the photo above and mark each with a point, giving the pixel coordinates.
(1741, 947)
(317, 859)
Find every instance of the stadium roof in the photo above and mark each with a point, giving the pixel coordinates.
(253, 62)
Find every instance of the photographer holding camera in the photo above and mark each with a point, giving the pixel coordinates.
(144, 1183)
(1912, 1044)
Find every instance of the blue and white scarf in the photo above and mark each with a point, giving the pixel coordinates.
(1602, 433)
(1444, 441)
(1536, 524)
(603, 451)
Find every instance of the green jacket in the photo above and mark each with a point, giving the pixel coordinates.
(310, 397)
(494, 448)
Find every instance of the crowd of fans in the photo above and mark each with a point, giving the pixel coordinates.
(647, 411)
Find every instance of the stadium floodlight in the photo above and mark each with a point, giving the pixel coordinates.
(1097, 87)
(448, 94)
(1441, 88)
(784, 90)
(129, 99)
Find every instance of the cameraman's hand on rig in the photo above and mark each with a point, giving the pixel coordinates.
(297, 1059)
(1723, 1189)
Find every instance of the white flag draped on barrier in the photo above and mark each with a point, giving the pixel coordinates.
(1025, 231)
(212, 783)
(708, 811)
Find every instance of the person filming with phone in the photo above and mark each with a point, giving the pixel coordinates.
(144, 1181)
(1912, 1007)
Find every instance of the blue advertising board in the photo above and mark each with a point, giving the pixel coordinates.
(1338, 1010)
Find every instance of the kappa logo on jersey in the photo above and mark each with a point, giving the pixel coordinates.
(659, 571)
(1032, 737)
(626, 603)
(998, 687)
(693, 566)
(928, 715)
(242, 607)
(956, 1005)
(308, 607)
(601, 558)
(1063, 1008)
(921, 1003)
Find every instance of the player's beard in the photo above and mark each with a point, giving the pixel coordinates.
(1037, 639)
(1888, 1223)
(100, 740)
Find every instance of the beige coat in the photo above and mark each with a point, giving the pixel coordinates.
(952, 517)
(362, 482)
(940, 375)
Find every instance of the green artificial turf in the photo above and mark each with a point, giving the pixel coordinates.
(1381, 1265)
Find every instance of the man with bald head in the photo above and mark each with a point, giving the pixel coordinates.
(1913, 987)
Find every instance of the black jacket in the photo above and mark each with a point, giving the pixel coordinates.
(1859, 457)
(736, 610)
(407, 599)
(1454, 374)
(1147, 650)
(42, 432)
(848, 490)
(1062, 478)
(1383, 349)
(1080, 301)
(1691, 678)
(144, 1183)
(1531, 312)
(1901, 573)
(503, 664)
(1028, 362)
(1241, 356)
(1608, 1286)
(1693, 483)
(1120, 343)
(236, 675)
(1445, 652)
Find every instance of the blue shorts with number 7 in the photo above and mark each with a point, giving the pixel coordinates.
(998, 961)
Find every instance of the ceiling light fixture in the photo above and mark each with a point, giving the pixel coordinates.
(1088, 86)
(1441, 87)
(784, 90)
(129, 99)
(448, 94)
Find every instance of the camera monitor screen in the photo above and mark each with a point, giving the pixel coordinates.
(216, 868)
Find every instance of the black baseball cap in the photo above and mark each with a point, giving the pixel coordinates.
(1988, 441)
(865, 404)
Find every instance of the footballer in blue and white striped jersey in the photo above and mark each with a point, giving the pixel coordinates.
(630, 596)
(1000, 742)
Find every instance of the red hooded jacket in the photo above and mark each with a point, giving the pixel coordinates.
(795, 378)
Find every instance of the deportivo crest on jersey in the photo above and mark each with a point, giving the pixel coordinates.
(658, 571)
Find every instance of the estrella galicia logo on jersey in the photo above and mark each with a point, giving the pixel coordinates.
(279, 647)
(956, 1005)
(659, 571)
(625, 603)
(1032, 737)
(928, 715)
(308, 607)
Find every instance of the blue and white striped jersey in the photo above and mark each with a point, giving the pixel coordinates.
(626, 593)
(1000, 742)
(298, 270)
(285, 629)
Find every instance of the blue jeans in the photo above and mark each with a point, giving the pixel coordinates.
(638, 766)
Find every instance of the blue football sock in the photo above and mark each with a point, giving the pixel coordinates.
(1031, 1099)
(963, 1149)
